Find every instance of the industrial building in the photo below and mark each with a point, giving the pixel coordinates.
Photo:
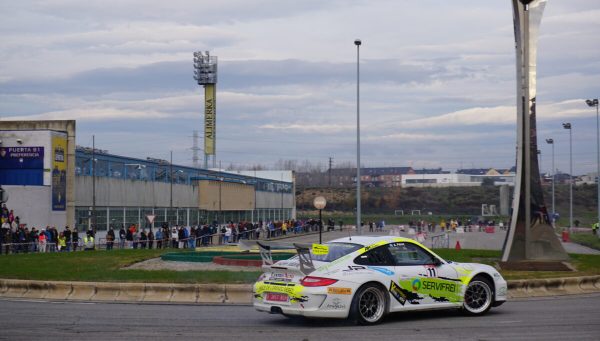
(50, 181)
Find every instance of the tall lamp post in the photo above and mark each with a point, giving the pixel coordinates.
(568, 126)
(319, 203)
(171, 187)
(594, 103)
(551, 142)
(357, 42)
(94, 183)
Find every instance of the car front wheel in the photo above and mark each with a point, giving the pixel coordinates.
(479, 296)
(369, 305)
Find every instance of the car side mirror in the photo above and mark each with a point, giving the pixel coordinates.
(436, 261)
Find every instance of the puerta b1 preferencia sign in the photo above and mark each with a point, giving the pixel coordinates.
(22, 166)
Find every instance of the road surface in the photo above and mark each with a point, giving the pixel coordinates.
(552, 318)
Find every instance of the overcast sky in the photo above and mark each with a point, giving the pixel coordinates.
(437, 78)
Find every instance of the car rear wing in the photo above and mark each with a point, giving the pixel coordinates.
(265, 248)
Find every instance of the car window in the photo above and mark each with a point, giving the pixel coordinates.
(409, 254)
(336, 250)
(377, 256)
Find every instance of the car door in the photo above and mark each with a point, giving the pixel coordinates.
(421, 279)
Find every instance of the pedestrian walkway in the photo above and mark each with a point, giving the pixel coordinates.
(468, 240)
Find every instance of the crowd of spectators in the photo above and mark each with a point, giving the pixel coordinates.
(15, 238)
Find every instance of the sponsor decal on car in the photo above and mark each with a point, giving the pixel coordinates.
(281, 277)
(384, 271)
(293, 290)
(336, 304)
(402, 295)
(441, 290)
(339, 291)
(320, 249)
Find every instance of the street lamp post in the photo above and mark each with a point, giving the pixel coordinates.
(594, 103)
(551, 142)
(319, 203)
(94, 183)
(171, 178)
(357, 42)
(568, 126)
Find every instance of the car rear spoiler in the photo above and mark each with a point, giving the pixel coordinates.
(302, 249)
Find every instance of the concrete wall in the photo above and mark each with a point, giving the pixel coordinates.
(135, 193)
(33, 206)
(274, 200)
(225, 196)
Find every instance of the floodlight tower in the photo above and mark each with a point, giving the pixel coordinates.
(205, 74)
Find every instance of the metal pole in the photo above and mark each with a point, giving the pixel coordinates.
(571, 178)
(553, 181)
(171, 176)
(93, 182)
(598, 157)
(357, 42)
(220, 184)
(320, 227)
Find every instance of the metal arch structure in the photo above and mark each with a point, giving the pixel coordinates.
(531, 236)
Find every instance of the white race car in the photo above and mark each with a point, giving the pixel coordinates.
(366, 277)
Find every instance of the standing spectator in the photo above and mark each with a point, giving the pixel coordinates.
(227, 235)
(75, 239)
(42, 241)
(159, 238)
(62, 242)
(33, 239)
(143, 239)
(110, 238)
(136, 238)
(174, 237)
(122, 237)
(67, 233)
(150, 238)
(192, 239)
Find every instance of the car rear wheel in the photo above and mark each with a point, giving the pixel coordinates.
(479, 296)
(369, 305)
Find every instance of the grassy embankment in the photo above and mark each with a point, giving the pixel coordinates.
(106, 266)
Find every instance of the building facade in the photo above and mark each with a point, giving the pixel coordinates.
(51, 182)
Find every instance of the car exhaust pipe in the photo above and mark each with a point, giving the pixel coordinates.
(276, 310)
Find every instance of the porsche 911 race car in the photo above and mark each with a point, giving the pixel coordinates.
(366, 277)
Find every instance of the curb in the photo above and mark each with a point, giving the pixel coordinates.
(553, 286)
(127, 292)
(235, 294)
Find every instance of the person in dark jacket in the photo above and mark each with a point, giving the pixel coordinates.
(110, 238)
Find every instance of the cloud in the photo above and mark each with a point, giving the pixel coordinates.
(90, 114)
(308, 128)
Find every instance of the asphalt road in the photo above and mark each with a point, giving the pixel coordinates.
(553, 318)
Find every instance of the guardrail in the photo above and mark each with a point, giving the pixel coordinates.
(163, 243)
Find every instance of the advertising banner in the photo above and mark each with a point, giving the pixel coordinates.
(59, 172)
(210, 119)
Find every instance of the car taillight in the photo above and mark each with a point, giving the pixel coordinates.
(310, 281)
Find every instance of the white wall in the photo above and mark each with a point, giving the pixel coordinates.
(33, 205)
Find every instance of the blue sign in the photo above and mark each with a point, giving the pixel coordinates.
(22, 157)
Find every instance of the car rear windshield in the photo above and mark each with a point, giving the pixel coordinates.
(336, 250)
